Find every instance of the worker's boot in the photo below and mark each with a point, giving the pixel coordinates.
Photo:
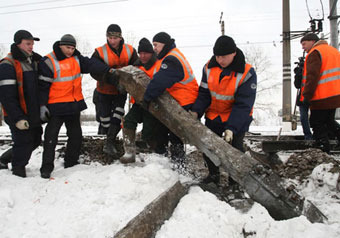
(110, 146)
(129, 156)
(323, 144)
(6, 158)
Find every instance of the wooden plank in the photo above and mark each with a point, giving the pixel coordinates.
(245, 170)
(148, 222)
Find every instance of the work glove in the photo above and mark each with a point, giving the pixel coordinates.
(44, 113)
(193, 114)
(146, 104)
(228, 136)
(112, 77)
(22, 125)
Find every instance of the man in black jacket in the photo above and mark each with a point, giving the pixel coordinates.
(19, 98)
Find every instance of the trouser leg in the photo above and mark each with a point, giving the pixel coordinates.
(50, 142)
(318, 121)
(305, 122)
(74, 134)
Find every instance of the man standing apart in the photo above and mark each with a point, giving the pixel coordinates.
(62, 99)
(19, 98)
(226, 96)
(175, 75)
(110, 102)
(321, 87)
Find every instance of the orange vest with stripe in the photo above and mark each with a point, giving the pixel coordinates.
(149, 72)
(329, 81)
(66, 86)
(185, 91)
(223, 92)
(113, 61)
(20, 80)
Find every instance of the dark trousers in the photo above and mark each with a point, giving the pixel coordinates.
(322, 122)
(74, 134)
(219, 128)
(110, 108)
(24, 142)
(305, 121)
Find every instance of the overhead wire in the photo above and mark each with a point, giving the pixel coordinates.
(31, 3)
(58, 7)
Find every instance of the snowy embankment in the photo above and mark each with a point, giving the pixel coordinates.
(96, 201)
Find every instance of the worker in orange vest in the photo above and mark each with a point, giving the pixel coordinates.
(109, 101)
(151, 126)
(226, 96)
(321, 88)
(19, 99)
(62, 100)
(175, 75)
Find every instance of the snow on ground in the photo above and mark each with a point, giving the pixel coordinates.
(96, 201)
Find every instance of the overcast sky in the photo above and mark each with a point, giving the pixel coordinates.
(194, 24)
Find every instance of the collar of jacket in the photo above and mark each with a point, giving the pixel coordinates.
(238, 65)
(320, 42)
(166, 49)
(120, 48)
(19, 55)
(59, 54)
(148, 64)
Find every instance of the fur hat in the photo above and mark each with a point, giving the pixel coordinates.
(145, 46)
(224, 45)
(68, 39)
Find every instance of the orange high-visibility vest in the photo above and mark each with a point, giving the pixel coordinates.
(66, 85)
(329, 81)
(113, 61)
(150, 72)
(20, 79)
(223, 92)
(185, 91)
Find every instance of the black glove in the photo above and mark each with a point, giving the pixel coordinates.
(112, 78)
(146, 104)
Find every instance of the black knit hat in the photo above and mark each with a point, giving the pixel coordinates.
(114, 30)
(68, 39)
(145, 46)
(162, 37)
(224, 45)
(23, 35)
(310, 37)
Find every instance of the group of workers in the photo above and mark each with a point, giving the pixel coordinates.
(36, 90)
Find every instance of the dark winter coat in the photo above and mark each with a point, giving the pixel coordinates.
(239, 119)
(46, 71)
(9, 96)
(165, 77)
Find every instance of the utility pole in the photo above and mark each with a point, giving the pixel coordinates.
(333, 18)
(286, 84)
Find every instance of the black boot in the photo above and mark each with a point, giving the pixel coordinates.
(6, 158)
(110, 146)
(19, 171)
(323, 144)
(129, 156)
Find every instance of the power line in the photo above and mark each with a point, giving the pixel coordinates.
(33, 3)
(49, 8)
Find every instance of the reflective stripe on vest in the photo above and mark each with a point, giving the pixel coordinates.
(19, 71)
(223, 91)
(66, 85)
(113, 61)
(185, 91)
(329, 79)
